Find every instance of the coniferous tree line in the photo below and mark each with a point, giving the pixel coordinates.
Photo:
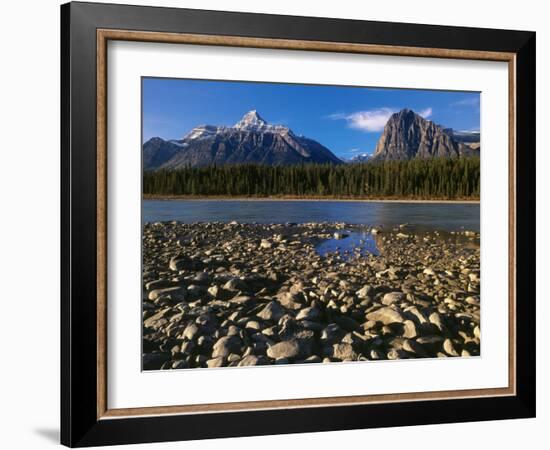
(418, 178)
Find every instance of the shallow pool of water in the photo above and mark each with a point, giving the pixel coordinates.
(354, 243)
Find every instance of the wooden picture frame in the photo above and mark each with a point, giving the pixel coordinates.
(86, 418)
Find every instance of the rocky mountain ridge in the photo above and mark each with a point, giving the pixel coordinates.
(251, 140)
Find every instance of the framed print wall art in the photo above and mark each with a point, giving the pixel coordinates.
(276, 224)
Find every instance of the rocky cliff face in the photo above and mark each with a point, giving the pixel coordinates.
(251, 140)
(407, 135)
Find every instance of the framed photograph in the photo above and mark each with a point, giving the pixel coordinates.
(276, 224)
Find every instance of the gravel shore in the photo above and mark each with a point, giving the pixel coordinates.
(232, 294)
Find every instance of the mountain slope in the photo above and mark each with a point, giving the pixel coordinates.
(407, 135)
(470, 138)
(157, 151)
(251, 140)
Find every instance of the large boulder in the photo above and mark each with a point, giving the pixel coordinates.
(386, 315)
(273, 311)
(311, 313)
(226, 345)
(344, 352)
(393, 297)
(285, 349)
(176, 293)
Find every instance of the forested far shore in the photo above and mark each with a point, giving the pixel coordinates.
(437, 178)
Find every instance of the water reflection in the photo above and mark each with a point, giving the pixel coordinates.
(355, 243)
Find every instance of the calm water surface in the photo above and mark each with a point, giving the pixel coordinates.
(428, 216)
(355, 243)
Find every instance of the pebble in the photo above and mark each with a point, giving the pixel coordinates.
(252, 360)
(436, 320)
(344, 352)
(409, 329)
(226, 345)
(449, 348)
(177, 293)
(273, 311)
(393, 297)
(311, 313)
(340, 235)
(365, 292)
(215, 362)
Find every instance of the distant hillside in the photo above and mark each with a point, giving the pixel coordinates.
(470, 138)
(361, 158)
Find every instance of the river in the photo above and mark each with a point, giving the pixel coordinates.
(424, 216)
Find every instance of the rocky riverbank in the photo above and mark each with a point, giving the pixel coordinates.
(232, 294)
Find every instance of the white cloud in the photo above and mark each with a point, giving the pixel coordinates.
(337, 116)
(473, 101)
(354, 150)
(426, 113)
(373, 120)
(370, 121)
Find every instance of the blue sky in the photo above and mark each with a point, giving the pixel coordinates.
(347, 120)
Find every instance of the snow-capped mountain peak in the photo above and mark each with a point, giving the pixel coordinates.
(251, 120)
(360, 158)
(203, 131)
